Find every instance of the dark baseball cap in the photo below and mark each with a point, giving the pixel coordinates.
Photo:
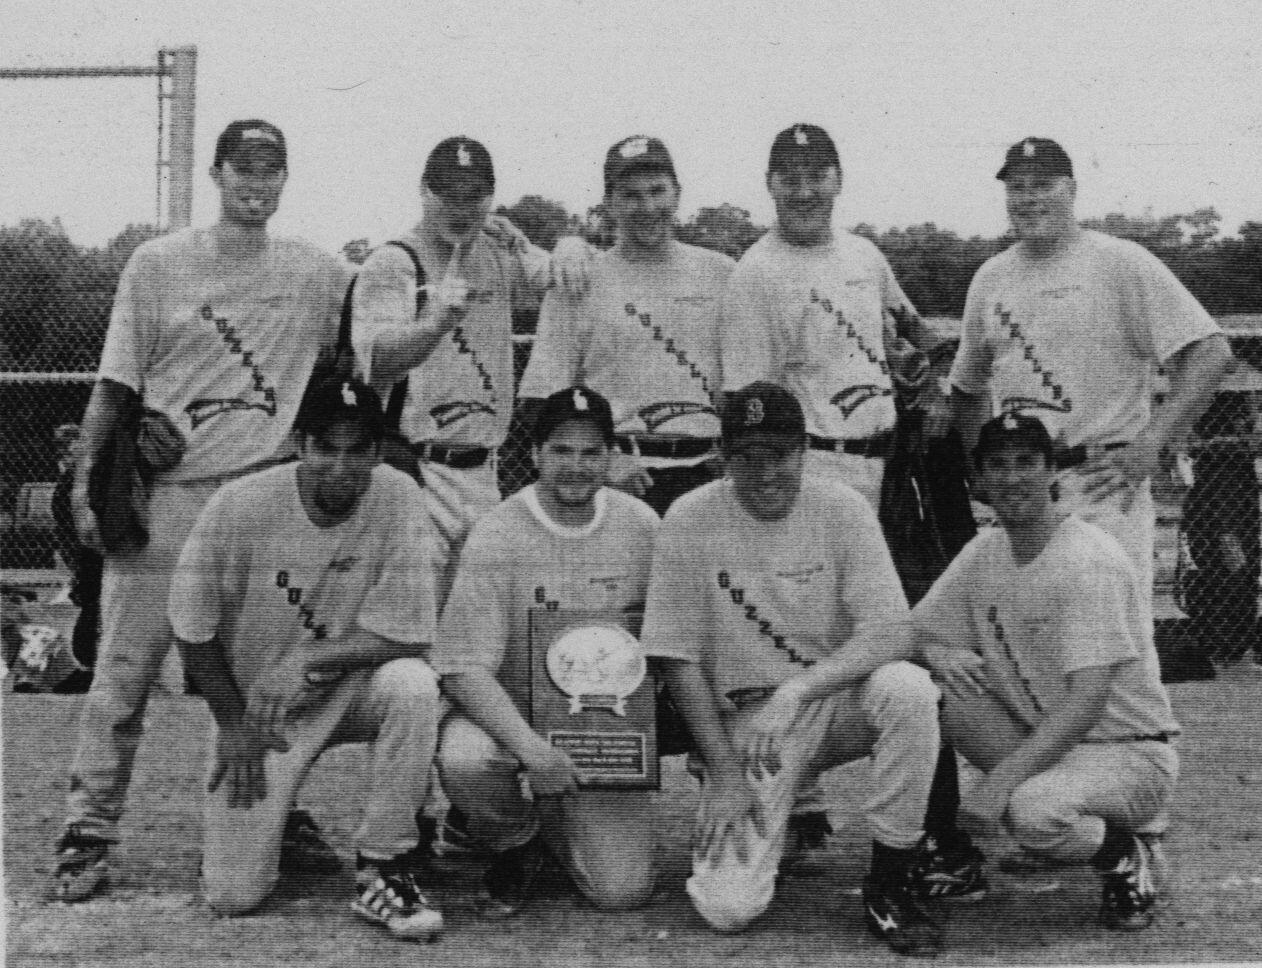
(636, 153)
(334, 399)
(1012, 430)
(1041, 155)
(459, 166)
(251, 135)
(573, 403)
(803, 146)
(761, 410)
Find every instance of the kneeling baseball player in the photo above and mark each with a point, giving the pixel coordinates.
(778, 594)
(302, 603)
(1037, 635)
(565, 542)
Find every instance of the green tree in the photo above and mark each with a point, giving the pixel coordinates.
(543, 221)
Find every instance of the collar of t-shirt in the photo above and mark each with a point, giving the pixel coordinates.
(531, 497)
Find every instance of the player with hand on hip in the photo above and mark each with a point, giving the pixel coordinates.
(565, 542)
(1041, 640)
(302, 604)
(777, 595)
(645, 334)
(217, 329)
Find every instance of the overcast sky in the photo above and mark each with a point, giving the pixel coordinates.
(1159, 104)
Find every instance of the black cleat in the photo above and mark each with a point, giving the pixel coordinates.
(509, 881)
(82, 868)
(1130, 890)
(951, 873)
(895, 914)
(303, 849)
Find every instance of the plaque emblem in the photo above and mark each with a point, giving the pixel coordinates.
(597, 666)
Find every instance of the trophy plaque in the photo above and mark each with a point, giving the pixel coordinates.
(591, 695)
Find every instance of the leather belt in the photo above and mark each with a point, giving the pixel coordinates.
(878, 445)
(740, 698)
(1076, 456)
(679, 448)
(1140, 738)
(458, 457)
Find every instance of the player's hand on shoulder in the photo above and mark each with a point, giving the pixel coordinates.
(239, 763)
(550, 772)
(626, 474)
(958, 670)
(730, 811)
(573, 261)
(1120, 470)
(502, 232)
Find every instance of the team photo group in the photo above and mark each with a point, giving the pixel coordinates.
(292, 474)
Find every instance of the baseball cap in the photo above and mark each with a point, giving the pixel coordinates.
(250, 135)
(1036, 154)
(1012, 430)
(761, 410)
(459, 166)
(803, 145)
(573, 403)
(332, 399)
(636, 153)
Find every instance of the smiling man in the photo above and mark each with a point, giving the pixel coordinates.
(646, 333)
(302, 604)
(758, 579)
(1040, 638)
(565, 542)
(218, 329)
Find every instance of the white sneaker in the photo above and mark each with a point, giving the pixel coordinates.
(387, 894)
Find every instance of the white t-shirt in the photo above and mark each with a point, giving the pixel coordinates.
(1077, 605)
(259, 575)
(756, 602)
(1075, 340)
(813, 319)
(517, 558)
(223, 346)
(463, 392)
(645, 336)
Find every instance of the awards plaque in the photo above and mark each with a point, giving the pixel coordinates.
(591, 695)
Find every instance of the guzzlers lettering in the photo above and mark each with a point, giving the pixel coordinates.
(1059, 402)
(739, 598)
(851, 398)
(199, 411)
(668, 345)
(293, 595)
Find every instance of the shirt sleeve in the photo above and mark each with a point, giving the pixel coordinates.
(1161, 315)
(132, 329)
(475, 626)
(748, 348)
(944, 615)
(385, 298)
(1099, 615)
(399, 605)
(555, 360)
(195, 604)
(677, 616)
(870, 589)
(970, 372)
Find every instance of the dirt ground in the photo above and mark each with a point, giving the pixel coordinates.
(152, 915)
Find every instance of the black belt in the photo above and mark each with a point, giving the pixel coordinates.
(459, 458)
(878, 445)
(741, 698)
(1150, 738)
(679, 448)
(1076, 456)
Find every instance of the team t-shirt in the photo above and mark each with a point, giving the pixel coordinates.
(1077, 605)
(257, 573)
(645, 336)
(756, 602)
(1075, 340)
(518, 559)
(463, 392)
(813, 318)
(223, 346)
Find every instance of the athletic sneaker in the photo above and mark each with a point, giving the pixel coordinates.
(805, 843)
(509, 881)
(82, 865)
(303, 849)
(1129, 890)
(951, 872)
(386, 894)
(894, 913)
(1159, 861)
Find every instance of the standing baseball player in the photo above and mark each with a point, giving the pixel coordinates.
(778, 593)
(457, 354)
(820, 312)
(217, 329)
(1041, 639)
(645, 334)
(302, 603)
(565, 542)
(1070, 325)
